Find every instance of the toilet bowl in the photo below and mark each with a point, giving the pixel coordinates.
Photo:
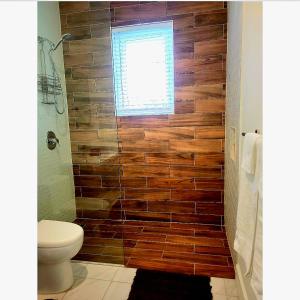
(58, 242)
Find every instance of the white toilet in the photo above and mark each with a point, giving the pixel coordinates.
(58, 242)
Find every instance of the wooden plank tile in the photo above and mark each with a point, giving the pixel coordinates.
(99, 170)
(145, 121)
(145, 171)
(166, 230)
(166, 133)
(181, 7)
(209, 159)
(183, 22)
(211, 18)
(171, 206)
(159, 265)
(78, 33)
(88, 17)
(85, 158)
(76, 170)
(83, 135)
(67, 7)
(170, 158)
(140, 11)
(203, 33)
(209, 105)
(145, 237)
(131, 133)
(90, 45)
(209, 184)
(104, 84)
(183, 50)
(200, 64)
(131, 158)
(210, 132)
(133, 182)
(210, 208)
(142, 253)
(146, 223)
(197, 119)
(196, 258)
(103, 193)
(210, 47)
(189, 171)
(210, 92)
(184, 106)
(100, 30)
(170, 183)
(91, 72)
(198, 227)
(95, 5)
(144, 146)
(196, 218)
(194, 240)
(210, 77)
(212, 250)
(200, 145)
(147, 194)
(85, 98)
(81, 85)
(178, 247)
(83, 180)
(150, 245)
(201, 196)
(148, 216)
(136, 205)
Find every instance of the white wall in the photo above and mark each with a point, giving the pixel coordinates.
(243, 107)
(56, 197)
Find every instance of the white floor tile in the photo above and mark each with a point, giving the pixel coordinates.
(125, 275)
(96, 271)
(118, 291)
(218, 286)
(219, 297)
(87, 289)
(231, 287)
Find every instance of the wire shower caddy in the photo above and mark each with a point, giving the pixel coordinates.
(49, 84)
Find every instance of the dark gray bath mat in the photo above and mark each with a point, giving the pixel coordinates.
(155, 285)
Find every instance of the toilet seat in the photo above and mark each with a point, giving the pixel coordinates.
(54, 234)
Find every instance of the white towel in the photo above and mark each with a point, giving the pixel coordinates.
(256, 276)
(247, 203)
(248, 155)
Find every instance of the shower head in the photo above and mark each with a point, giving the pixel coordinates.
(64, 37)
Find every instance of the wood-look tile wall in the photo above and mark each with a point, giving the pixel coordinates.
(178, 176)
(152, 168)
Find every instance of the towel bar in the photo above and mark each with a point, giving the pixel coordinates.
(244, 133)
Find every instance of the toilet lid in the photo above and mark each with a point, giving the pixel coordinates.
(57, 234)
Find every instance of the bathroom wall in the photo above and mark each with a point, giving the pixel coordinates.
(170, 167)
(157, 176)
(56, 198)
(243, 107)
(178, 167)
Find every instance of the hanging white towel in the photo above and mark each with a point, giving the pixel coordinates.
(256, 275)
(248, 155)
(247, 203)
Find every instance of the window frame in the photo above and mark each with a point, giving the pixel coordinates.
(141, 28)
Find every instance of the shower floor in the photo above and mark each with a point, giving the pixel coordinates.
(173, 247)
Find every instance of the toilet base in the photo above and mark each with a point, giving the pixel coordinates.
(54, 278)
